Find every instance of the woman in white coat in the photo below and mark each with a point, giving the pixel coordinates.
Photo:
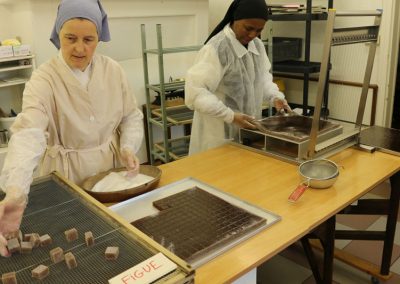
(231, 78)
(79, 116)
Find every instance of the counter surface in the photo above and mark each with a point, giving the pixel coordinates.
(267, 182)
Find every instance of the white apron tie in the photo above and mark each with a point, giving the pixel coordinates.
(54, 150)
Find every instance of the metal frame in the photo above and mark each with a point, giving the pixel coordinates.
(340, 36)
(106, 222)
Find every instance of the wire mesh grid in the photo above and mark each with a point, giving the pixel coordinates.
(53, 210)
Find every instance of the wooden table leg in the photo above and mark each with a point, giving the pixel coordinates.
(388, 207)
(391, 223)
(326, 234)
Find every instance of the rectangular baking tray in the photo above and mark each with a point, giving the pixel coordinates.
(142, 206)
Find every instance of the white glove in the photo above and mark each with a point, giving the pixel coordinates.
(130, 161)
(243, 120)
(11, 211)
(281, 105)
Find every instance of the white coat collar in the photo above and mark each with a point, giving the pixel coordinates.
(239, 49)
(82, 76)
(88, 68)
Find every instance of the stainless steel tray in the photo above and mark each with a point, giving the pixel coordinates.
(142, 206)
(383, 138)
(295, 128)
(288, 137)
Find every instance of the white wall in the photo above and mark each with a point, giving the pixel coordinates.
(349, 58)
(4, 32)
(182, 23)
(217, 10)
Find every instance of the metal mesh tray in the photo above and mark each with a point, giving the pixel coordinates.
(54, 208)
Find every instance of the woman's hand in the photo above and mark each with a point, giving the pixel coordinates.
(281, 105)
(243, 120)
(11, 211)
(131, 162)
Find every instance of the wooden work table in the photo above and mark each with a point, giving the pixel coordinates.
(267, 182)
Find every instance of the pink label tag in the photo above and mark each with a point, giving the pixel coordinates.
(295, 195)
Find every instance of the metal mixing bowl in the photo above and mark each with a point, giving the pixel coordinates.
(319, 173)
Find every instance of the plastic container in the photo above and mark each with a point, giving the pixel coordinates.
(286, 48)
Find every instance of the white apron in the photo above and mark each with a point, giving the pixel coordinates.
(82, 125)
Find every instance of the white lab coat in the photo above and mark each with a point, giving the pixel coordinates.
(226, 78)
(66, 127)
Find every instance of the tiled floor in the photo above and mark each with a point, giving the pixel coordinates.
(294, 262)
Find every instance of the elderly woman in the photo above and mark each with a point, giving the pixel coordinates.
(79, 115)
(230, 78)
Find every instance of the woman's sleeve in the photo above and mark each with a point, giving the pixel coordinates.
(28, 141)
(131, 126)
(202, 81)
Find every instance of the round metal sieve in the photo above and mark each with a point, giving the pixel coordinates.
(319, 169)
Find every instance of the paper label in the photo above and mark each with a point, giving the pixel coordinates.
(145, 272)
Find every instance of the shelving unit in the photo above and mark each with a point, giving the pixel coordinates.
(305, 67)
(164, 117)
(15, 71)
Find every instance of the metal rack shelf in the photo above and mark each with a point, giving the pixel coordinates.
(171, 86)
(178, 115)
(16, 58)
(165, 117)
(295, 66)
(174, 49)
(15, 71)
(299, 17)
(178, 148)
(13, 82)
(13, 68)
(306, 66)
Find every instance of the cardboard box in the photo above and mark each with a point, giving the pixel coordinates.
(21, 50)
(6, 51)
